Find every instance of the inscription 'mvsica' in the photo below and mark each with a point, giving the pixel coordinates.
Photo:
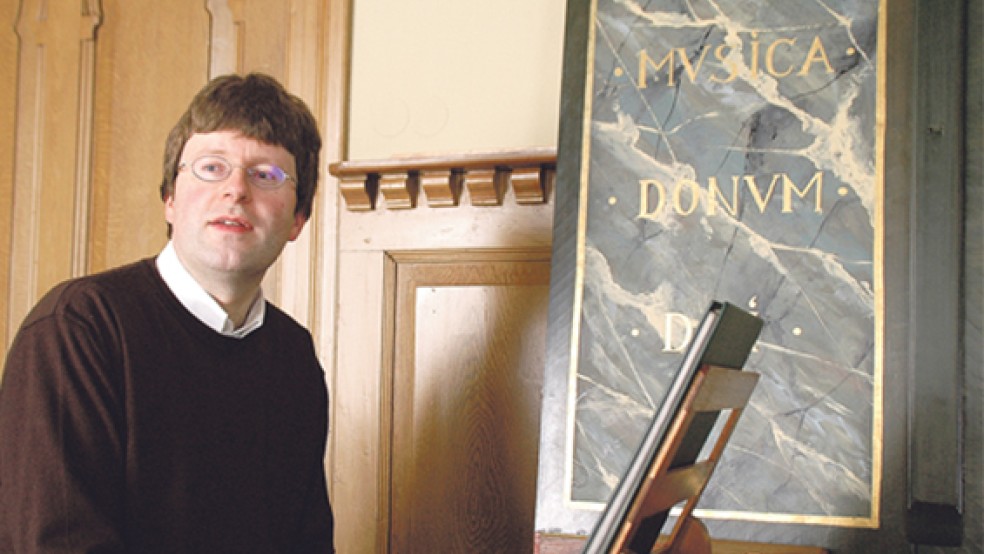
(686, 195)
(730, 59)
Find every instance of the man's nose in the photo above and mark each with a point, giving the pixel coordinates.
(237, 185)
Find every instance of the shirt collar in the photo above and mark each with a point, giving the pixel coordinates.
(200, 303)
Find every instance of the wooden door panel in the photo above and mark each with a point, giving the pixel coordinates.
(467, 374)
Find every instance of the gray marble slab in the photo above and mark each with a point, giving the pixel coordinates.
(732, 156)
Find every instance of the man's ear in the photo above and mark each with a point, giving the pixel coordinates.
(169, 207)
(295, 230)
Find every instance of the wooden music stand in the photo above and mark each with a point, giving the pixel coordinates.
(669, 482)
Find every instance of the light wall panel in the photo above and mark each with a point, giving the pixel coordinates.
(432, 76)
(8, 106)
(151, 58)
(52, 126)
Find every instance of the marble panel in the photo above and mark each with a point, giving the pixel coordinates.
(731, 152)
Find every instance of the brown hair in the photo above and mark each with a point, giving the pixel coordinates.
(260, 108)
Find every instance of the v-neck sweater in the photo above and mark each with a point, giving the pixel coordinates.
(128, 425)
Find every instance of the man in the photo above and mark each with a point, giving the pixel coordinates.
(164, 406)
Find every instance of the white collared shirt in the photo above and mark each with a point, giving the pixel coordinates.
(200, 303)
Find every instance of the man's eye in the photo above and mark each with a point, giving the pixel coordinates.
(268, 174)
(211, 168)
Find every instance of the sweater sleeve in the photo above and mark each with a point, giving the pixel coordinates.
(316, 533)
(317, 521)
(61, 457)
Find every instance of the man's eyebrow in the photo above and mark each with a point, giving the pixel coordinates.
(208, 151)
(255, 159)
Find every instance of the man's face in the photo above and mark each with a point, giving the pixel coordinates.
(231, 229)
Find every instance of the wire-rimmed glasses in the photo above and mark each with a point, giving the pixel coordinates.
(212, 168)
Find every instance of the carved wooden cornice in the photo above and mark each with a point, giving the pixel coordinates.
(486, 176)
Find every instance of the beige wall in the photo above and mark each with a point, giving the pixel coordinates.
(433, 76)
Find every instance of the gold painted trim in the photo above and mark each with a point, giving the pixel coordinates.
(878, 401)
(582, 220)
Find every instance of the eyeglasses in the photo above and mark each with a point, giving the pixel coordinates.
(216, 168)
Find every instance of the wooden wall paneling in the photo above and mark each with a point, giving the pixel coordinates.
(359, 192)
(463, 227)
(525, 173)
(301, 28)
(8, 106)
(249, 35)
(334, 120)
(357, 468)
(467, 376)
(531, 184)
(399, 189)
(90, 21)
(442, 187)
(151, 59)
(304, 75)
(52, 142)
(226, 52)
(361, 395)
(265, 36)
(485, 186)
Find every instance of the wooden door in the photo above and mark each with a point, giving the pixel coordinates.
(468, 356)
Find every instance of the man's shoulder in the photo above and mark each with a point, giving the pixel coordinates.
(96, 291)
(277, 317)
(287, 330)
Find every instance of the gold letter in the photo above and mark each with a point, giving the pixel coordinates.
(770, 57)
(817, 53)
(681, 322)
(714, 192)
(691, 71)
(644, 185)
(790, 186)
(644, 58)
(756, 194)
(755, 55)
(694, 196)
(719, 53)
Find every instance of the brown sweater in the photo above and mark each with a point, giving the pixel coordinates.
(127, 425)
